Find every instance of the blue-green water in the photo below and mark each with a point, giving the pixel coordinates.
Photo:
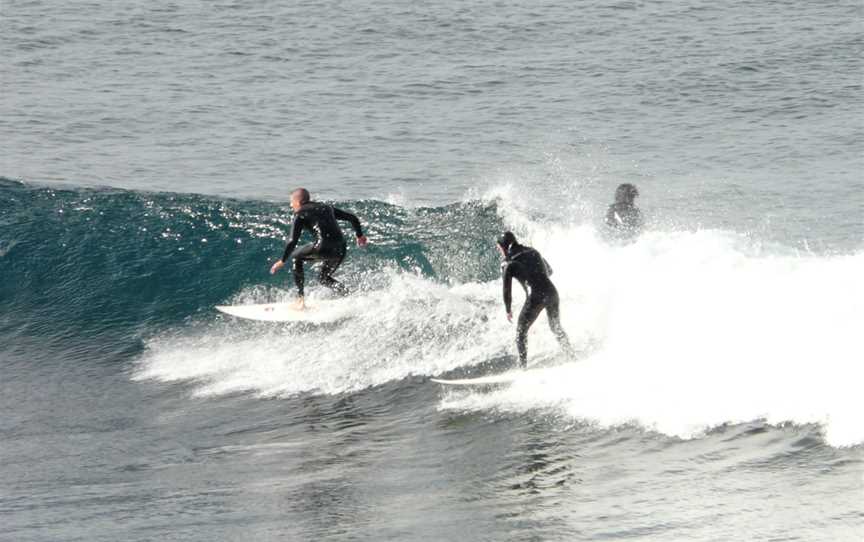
(147, 155)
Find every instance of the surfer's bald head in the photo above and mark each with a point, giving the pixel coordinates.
(300, 196)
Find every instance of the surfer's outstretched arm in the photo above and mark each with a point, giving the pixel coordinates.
(296, 230)
(355, 223)
(349, 217)
(294, 237)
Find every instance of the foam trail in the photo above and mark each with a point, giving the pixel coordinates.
(412, 326)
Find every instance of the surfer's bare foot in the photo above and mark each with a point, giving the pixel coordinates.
(299, 305)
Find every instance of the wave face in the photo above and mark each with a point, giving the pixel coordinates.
(679, 332)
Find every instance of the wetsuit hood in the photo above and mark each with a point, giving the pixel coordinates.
(507, 240)
(626, 193)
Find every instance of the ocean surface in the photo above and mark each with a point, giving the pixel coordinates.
(147, 151)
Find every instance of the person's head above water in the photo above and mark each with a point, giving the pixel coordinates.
(506, 241)
(299, 197)
(626, 193)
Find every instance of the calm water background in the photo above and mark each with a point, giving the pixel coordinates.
(147, 152)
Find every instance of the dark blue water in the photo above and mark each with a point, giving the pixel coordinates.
(147, 155)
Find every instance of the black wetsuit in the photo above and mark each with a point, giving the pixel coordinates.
(527, 266)
(329, 245)
(624, 220)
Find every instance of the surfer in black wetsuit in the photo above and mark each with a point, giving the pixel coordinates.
(623, 218)
(528, 267)
(329, 246)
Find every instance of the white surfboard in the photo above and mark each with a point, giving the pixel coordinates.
(491, 380)
(320, 312)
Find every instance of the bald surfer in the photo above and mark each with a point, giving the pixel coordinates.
(527, 266)
(328, 248)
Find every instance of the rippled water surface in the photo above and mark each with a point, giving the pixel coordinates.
(148, 149)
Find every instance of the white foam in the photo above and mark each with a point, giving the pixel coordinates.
(411, 326)
(699, 329)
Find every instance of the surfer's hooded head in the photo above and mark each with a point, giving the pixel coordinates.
(506, 242)
(626, 193)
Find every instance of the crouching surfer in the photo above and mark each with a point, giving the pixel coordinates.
(329, 246)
